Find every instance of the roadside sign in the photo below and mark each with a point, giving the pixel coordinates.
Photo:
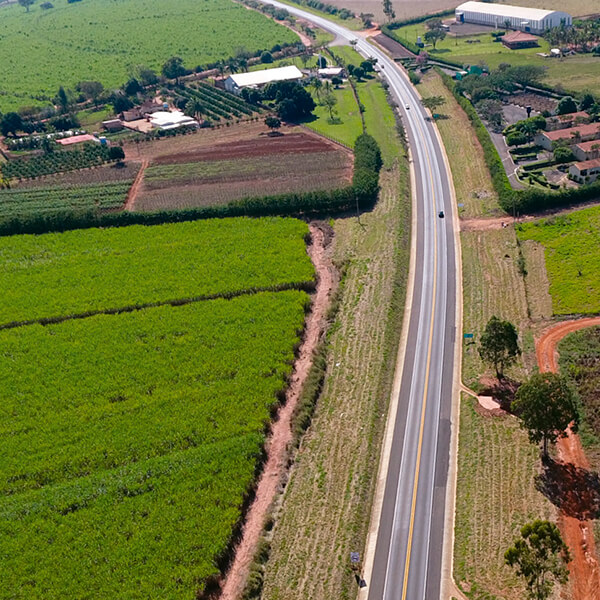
(468, 336)
(354, 557)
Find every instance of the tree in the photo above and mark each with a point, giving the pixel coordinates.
(539, 556)
(546, 405)
(434, 36)
(491, 111)
(367, 21)
(330, 101)
(433, 24)
(26, 4)
(91, 90)
(359, 73)
(272, 122)
(367, 66)
(173, 68)
(433, 102)
(11, 123)
(145, 75)
(499, 345)
(516, 138)
(587, 100)
(317, 85)
(63, 100)
(132, 87)
(266, 57)
(563, 154)
(566, 105)
(121, 102)
(388, 10)
(194, 108)
(46, 5)
(116, 153)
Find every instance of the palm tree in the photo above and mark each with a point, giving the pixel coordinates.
(317, 86)
(243, 64)
(194, 108)
(232, 65)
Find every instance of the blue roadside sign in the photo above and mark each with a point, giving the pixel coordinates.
(468, 336)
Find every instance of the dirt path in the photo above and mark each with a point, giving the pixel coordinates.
(578, 534)
(281, 436)
(135, 188)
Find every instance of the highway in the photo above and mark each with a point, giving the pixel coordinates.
(408, 554)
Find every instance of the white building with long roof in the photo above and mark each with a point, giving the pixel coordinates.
(255, 79)
(533, 20)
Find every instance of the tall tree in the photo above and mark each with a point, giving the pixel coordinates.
(173, 68)
(546, 405)
(11, 123)
(539, 556)
(194, 108)
(62, 99)
(499, 345)
(388, 10)
(272, 123)
(91, 90)
(26, 4)
(433, 36)
(433, 102)
(330, 101)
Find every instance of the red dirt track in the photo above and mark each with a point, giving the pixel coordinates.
(578, 534)
(294, 143)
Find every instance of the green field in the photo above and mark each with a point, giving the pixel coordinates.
(577, 73)
(23, 203)
(43, 49)
(153, 423)
(572, 250)
(94, 270)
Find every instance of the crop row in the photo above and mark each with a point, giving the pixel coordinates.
(28, 201)
(224, 98)
(153, 427)
(90, 270)
(217, 103)
(90, 155)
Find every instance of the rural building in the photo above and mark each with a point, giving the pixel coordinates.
(172, 120)
(329, 72)
(533, 20)
(585, 172)
(131, 115)
(256, 79)
(77, 139)
(572, 135)
(519, 39)
(587, 150)
(113, 125)
(569, 120)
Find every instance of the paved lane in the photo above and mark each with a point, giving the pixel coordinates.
(408, 554)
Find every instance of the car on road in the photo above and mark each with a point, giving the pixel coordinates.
(441, 214)
(407, 106)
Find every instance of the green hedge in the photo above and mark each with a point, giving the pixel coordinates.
(362, 194)
(522, 201)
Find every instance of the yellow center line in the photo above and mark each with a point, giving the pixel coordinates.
(424, 406)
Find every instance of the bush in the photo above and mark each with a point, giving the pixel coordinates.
(266, 57)
(516, 138)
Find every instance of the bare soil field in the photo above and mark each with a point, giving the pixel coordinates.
(207, 175)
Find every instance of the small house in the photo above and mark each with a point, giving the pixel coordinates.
(519, 39)
(585, 172)
(112, 125)
(587, 150)
(570, 135)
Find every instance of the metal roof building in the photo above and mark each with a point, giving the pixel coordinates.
(235, 83)
(534, 20)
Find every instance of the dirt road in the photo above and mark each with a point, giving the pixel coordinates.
(578, 534)
(135, 188)
(281, 436)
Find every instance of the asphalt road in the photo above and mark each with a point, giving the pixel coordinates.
(408, 554)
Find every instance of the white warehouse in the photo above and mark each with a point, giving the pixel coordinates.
(534, 20)
(256, 79)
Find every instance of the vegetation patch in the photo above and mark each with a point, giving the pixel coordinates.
(21, 203)
(78, 272)
(571, 244)
(143, 464)
(90, 35)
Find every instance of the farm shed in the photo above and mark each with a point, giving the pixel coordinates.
(519, 39)
(574, 135)
(77, 139)
(235, 83)
(585, 172)
(171, 120)
(534, 20)
(113, 125)
(587, 150)
(329, 72)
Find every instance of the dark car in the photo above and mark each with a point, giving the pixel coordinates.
(441, 214)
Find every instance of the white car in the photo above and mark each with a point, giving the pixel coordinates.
(407, 106)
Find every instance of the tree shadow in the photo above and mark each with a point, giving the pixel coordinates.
(503, 391)
(575, 491)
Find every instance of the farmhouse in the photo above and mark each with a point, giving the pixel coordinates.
(172, 120)
(519, 39)
(255, 79)
(572, 135)
(587, 150)
(329, 72)
(533, 20)
(585, 172)
(113, 125)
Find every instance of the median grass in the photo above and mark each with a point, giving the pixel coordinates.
(572, 250)
(472, 181)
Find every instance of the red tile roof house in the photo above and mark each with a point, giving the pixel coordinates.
(587, 150)
(568, 120)
(572, 135)
(585, 172)
(519, 39)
